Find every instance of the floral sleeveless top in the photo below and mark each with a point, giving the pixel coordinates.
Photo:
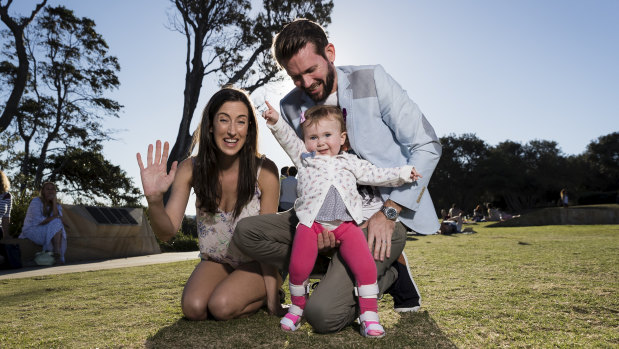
(215, 231)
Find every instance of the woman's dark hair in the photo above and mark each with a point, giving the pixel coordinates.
(206, 168)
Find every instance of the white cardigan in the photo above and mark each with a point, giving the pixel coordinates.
(317, 173)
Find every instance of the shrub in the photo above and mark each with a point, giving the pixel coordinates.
(185, 240)
(19, 207)
(180, 243)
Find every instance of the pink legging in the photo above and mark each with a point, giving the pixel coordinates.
(353, 249)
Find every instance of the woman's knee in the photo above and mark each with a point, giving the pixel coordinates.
(223, 307)
(194, 309)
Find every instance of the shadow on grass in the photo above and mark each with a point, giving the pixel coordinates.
(412, 330)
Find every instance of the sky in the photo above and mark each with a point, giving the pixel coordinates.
(514, 70)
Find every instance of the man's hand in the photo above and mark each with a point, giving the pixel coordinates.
(327, 242)
(380, 230)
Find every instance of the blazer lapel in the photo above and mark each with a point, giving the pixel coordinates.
(344, 92)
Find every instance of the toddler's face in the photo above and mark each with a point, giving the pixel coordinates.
(325, 136)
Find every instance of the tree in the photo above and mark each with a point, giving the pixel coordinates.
(88, 177)
(60, 117)
(19, 81)
(457, 178)
(602, 156)
(224, 39)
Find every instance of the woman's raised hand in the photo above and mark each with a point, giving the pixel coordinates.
(155, 179)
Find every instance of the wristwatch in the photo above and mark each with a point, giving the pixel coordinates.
(390, 212)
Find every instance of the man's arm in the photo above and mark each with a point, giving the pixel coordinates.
(413, 131)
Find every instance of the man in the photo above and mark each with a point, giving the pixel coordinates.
(288, 190)
(283, 173)
(384, 127)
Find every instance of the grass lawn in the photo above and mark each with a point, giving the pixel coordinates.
(551, 286)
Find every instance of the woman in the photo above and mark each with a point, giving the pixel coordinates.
(44, 224)
(5, 205)
(231, 181)
(478, 214)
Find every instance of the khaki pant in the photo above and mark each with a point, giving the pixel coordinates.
(332, 305)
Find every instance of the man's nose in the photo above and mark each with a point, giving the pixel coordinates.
(306, 80)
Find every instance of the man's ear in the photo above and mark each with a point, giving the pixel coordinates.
(330, 52)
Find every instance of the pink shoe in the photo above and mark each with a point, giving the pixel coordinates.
(291, 321)
(370, 327)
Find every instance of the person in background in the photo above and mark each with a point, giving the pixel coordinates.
(283, 173)
(44, 224)
(454, 211)
(453, 225)
(564, 198)
(288, 190)
(444, 214)
(478, 214)
(5, 205)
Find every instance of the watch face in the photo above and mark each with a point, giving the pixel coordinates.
(390, 212)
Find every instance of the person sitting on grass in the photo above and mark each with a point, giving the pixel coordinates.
(44, 224)
(329, 200)
(478, 214)
(453, 225)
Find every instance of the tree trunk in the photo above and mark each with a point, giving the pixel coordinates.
(180, 150)
(10, 109)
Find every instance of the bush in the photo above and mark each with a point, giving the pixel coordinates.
(185, 240)
(19, 207)
(189, 226)
(180, 243)
(592, 198)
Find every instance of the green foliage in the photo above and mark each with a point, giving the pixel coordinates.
(58, 132)
(88, 177)
(189, 226)
(185, 240)
(180, 243)
(19, 208)
(232, 40)
(602, 156)
(518, 177)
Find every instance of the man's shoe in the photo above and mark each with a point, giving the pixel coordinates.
(406, 296)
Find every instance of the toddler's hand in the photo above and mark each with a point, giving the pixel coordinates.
(270, 115)
(415, 175)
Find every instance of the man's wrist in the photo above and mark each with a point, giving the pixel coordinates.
(391, 203)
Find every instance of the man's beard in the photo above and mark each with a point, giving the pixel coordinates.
(327, 85)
